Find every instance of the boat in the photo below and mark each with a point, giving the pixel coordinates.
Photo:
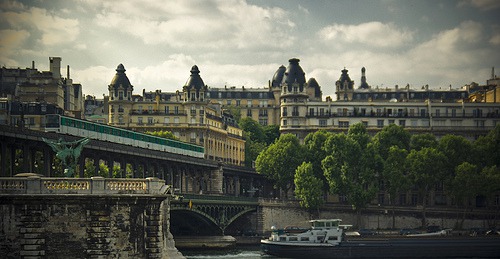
(327, 239)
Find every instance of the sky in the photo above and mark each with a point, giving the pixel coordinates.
(243, 43)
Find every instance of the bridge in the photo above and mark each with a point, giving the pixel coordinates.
(221, 196)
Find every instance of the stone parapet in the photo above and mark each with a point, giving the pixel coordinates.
(94, 185)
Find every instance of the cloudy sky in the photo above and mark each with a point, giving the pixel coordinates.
(242, 43)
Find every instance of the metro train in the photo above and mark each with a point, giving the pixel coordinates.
(82, 128)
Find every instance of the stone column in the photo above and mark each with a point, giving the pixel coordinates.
(3, 160)
(217, 178)
(27, 164)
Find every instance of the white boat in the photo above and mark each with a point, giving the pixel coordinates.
(326, 239)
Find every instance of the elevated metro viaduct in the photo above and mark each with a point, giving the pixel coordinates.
(221, 195)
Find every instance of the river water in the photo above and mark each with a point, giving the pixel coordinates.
(244, 252)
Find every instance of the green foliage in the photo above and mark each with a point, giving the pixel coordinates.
(253, 130)
(394, 173)
(351, 170)
(163, 134)
(467, 183)
(456, 148)
(487, 149)
(491, 184)
(419, 141)
(235, 111)
(279, 160)
(257, 138)
(389, 136)
(308, 188)
(272, 133)
(426, 168)
(315, 153)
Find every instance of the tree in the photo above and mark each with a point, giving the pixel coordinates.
(308, 187)
(255, 139)
(279, 160)
(253, 130)
(456, 149)
(351, 170)
(487, 149)
(419, 141)
(389, 136)
(272, 133)
(235, 111)
(394, 175)
(466, 185)
(425, 168)
(358, 133)
(315, 153)
(163, 134)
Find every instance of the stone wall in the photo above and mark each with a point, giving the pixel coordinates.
(281, 214)
(122, 223)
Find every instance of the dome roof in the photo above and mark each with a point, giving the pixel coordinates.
(278, 76)
(120, 78)
(314, 84)
(194, 81)
(294, 74)
(345, 81)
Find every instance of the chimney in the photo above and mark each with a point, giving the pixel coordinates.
(67, 70)
(32, 64)
(55, 67)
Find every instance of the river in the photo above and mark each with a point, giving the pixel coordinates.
(243, 252)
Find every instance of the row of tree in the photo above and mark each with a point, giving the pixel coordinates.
(393, 161)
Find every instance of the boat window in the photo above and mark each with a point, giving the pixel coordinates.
(327, 224)
(292, 238)
(332, 238)
(282, 238)
(320, 238)
(304, 238)
(319, 224)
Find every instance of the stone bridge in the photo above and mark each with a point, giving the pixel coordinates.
(85, 218)
(214, 214)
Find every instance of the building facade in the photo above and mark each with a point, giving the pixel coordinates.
(189, 115)
(28, 94)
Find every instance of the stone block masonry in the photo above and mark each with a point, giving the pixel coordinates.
(85, 223)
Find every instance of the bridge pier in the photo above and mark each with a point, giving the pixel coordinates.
(75, 218)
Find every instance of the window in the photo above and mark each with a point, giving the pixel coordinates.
(263, 122)
(453, 113)
(438, 113)
(166, 120)
(176, 120)
(150, 120)
(228, 102)
(139, 120)
(176, 109)
(284, 122)
(311, 111)
(249, 113)
(321, 112)
(295, 111)
(238, 102)
(380, 123)
(285, 113)
(322, 123)
(249, 103)
(193, 110)
(343, 124)
(150, 109)
(402, 123)
(167, 110)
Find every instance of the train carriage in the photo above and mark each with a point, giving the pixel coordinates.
(82, 128)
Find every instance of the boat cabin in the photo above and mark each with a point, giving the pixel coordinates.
(327, 231)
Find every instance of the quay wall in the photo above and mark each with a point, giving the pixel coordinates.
(85, 218)
(289, 213)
